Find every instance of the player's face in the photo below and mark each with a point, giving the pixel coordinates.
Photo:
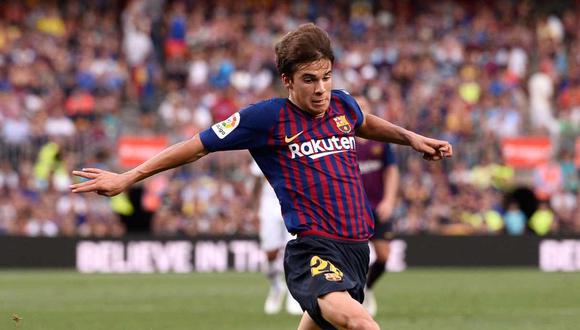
(310, 87)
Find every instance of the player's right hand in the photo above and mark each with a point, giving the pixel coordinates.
(100, 181)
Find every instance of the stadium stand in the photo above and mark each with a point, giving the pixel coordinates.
(500, 80)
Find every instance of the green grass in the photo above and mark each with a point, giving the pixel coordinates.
(416, 299)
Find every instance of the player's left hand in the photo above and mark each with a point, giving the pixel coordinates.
(384, 210)
(432, 149)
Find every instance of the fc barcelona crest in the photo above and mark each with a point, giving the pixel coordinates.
(342, 124)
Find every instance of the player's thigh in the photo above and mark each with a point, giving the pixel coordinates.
(383, 235)
(342, 311)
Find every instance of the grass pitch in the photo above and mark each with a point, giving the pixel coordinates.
(415, 299)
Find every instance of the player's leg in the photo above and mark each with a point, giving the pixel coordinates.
(271, 243)
(383, 235)
(343, 312)
(292, 306)
(273, 237)
(327, 277)
(376, 269)
(380, 242)
(275, 299)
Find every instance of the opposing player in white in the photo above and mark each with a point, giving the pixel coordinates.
(273, 238)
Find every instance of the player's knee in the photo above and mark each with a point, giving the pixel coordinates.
(361, 323)
(272, 255)
(382, 256)
(355, 321)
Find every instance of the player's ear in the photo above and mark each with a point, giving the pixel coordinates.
(287, 81)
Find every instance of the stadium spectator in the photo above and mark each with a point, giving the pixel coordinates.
(548, 179)
(541, 86)
(563, 204)
(542, 222)
(515, 220)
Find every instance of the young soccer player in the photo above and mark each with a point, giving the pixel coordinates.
(305, 146)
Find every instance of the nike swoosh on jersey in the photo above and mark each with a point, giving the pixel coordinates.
(292, 138)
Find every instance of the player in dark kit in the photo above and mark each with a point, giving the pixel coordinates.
(305, 146)
(380, 176)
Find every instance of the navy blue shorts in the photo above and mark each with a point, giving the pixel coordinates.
(383, 230)
(315, 266)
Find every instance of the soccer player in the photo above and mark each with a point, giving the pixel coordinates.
(273, 238)
(305, 146)
(380, 176)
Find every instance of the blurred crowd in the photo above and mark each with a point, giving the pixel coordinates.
(75, 76)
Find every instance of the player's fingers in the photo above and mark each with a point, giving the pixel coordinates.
(84, 187)
(81, 184)
(427, 149)
(444, 148)
(432, 157)
(84, 174)
(92, 170)
(436, 144)
(448, 152)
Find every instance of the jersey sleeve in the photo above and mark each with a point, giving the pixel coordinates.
(246, 129)
(388, 155)
(351, 103)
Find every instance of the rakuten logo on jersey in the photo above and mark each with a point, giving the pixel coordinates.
(320, 148)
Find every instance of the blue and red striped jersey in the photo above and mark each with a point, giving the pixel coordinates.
(310, 162)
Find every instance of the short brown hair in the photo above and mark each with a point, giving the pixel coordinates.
(307, 44)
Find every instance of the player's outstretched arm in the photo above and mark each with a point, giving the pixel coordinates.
(111, 184)
(375, 128)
